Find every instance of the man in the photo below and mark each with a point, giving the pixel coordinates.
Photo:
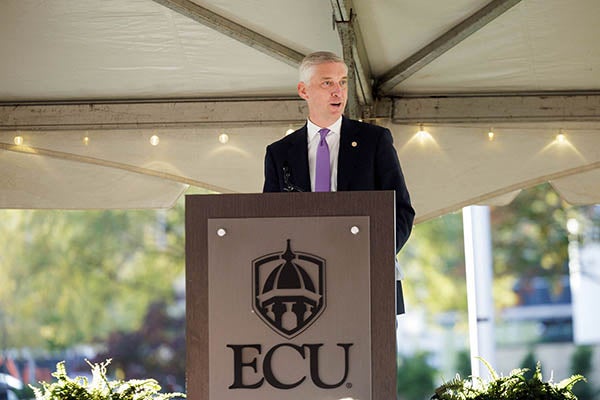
(359, 156)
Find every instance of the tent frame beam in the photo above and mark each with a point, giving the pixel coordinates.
(546, 107)
(234, 30)
(152, 114)
(389, 80)
(455, 109)
(347, 37)
(351, 36)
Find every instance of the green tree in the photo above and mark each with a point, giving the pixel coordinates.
(529, 362)
(581, 364)
(434, 265)
(463, 363)
(157, 349)
(433, 261)
(529, 239)
(73, 276)
(530, 236)
(415, 377)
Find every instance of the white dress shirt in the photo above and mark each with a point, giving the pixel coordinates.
(333, 141)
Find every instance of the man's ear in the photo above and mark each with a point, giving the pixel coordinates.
(302, 90)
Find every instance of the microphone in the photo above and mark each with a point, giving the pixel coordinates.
(288, 186)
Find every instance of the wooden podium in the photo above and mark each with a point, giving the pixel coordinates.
(290, 296)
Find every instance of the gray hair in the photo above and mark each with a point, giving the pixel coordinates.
(313, 59)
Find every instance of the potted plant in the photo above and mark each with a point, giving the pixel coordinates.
(100, 388)
(515, 386)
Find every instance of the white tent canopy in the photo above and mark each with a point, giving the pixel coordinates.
(119, 72)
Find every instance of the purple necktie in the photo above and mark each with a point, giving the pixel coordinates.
(322, 170)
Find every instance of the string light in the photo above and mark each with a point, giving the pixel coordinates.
(154, 140)
(422, 134)
(223, 138)
(86, 140)
(491, 134)
(18, 140)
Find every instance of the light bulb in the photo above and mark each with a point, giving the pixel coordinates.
(223, 138)
(422, 134)
(289, 131)
(86, 140)
(491, 135)
(154, 140)
(560, 138)
(18, 140)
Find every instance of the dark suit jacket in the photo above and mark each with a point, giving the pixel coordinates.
(372, 164)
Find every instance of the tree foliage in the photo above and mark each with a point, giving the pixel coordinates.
(529, 239)
(433, 262)
(72, 276)
(528, 364)
(581, 363)
(156, 349)
(530, 235)
(415, 377)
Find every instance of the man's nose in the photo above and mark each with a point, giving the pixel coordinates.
(336, 89)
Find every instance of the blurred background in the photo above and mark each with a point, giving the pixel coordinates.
(94, 285)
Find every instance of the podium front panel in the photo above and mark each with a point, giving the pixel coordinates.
(272, 313)
(284, 291)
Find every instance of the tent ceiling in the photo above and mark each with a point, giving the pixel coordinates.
(119, 72)
(534, 46)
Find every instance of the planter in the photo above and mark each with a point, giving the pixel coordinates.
(100, 388)
(515, 386)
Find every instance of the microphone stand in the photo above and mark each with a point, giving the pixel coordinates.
(288, 186)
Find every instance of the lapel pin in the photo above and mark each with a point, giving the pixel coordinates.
(354, 144)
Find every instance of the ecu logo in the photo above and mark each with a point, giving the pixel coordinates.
(288, 290)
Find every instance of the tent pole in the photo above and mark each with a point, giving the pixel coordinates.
(478, 265)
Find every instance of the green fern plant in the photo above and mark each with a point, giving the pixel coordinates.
(515, 386)
(100, 388)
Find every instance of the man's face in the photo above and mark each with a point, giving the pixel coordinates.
(326, 93)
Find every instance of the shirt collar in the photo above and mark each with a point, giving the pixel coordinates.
(313, 129)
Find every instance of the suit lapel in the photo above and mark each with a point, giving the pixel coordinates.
(347, 154)
(298, 160)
